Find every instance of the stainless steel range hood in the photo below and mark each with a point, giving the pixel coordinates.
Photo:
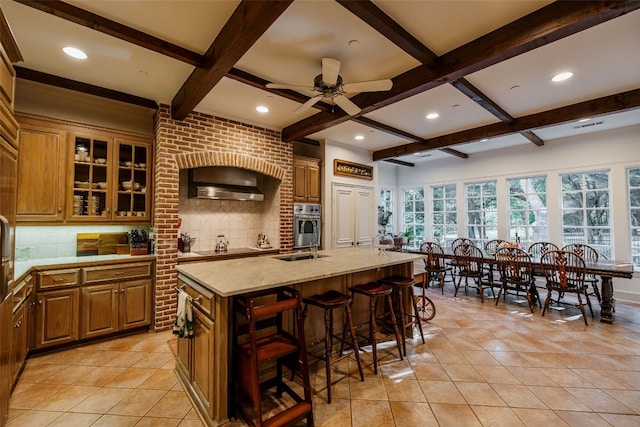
(225, 183)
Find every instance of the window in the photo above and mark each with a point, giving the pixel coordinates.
(585, 210)
(482, 212)
(528, 210)
(444, 219)
(385, 210)
(634, 215)
(413, 204)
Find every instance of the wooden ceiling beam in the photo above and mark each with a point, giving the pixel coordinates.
(8, 41)
(373, 16)
(245, 26)
(96, 22)
(477, 96)
(402, 134)
(51, 80)
(546, 25)
(400, 162)
(593, 108)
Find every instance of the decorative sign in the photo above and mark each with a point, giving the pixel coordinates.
(356, 170)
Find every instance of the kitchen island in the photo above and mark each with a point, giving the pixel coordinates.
(203, 364)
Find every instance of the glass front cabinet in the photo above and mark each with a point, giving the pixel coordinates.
(111, 178)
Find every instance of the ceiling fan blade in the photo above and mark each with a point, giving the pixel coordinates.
(371, 86)
(330, 71)
(310, 102)
(287, 86)
(346, 104)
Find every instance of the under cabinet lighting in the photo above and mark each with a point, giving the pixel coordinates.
(562, 76)
(74, 52)
(262, 109)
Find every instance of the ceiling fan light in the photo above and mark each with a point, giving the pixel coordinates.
(262, 109)
(562, 76)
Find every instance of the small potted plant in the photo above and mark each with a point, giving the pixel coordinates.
(407, 236)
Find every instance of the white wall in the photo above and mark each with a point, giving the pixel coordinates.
(614, 150)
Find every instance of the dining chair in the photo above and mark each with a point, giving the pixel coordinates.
(453, 263)
(434, 265)
(471, 266)
(490, 248)
(565, 272)
(516, 275)
(590, 255)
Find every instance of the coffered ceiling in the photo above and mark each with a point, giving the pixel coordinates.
(484, 66)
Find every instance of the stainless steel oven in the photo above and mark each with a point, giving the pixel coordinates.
(306, 224)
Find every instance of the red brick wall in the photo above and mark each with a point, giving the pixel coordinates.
(204, 140)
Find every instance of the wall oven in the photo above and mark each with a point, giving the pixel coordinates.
(306, 223)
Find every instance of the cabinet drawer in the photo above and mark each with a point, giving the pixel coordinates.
(21, 291)
(202, 299)
(116, 272)
(58, 278)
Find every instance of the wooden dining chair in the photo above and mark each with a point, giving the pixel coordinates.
(565, 272)
(590, 255)
(471, 267)
(453, 263)
(516, 275)
(434, 265)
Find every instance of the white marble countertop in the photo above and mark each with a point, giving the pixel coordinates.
(21, 267)
(242, 275)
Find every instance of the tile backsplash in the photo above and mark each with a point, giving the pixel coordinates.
(42, 242)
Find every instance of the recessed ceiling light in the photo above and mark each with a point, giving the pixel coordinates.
(432, 116)
(514, 87)
(484, 139)
(74, 52)
(262, 109)
(359, 137)
(562, 76)
(583, 120)
(354, 43)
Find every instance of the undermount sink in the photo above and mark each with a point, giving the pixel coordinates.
(298, 257)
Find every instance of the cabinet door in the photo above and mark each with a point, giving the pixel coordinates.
(364, 211)
(99, 310)
(133, 181)
(91, 198)
(299, 181)
(57, 314)
(343, 217)
(135, 304)
(202, 375)
(183, 359)
(19, 349)
(313, 183)
(41, 174)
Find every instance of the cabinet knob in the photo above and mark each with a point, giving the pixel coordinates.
(115, 291)
(59, 208)
(40, 302)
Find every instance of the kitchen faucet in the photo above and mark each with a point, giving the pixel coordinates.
(313, 246)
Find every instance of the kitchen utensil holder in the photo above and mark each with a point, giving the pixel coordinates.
(139, 249)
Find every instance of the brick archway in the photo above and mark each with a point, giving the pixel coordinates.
(209, 158)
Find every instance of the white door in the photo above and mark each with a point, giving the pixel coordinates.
(353, 215)
(343, 217)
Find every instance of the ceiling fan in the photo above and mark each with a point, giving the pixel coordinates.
(329, 85)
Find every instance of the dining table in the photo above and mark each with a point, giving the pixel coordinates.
(606, 269)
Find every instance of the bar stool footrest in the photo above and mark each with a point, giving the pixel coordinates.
(289, 416)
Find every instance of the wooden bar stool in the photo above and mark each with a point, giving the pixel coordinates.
(329, 301)
(262, 342)
(373, 291)
(406, 320)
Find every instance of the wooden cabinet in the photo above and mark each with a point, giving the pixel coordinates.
(115, 298)
(57, 314)
(197, 357)
(41, 172)
(22, 324)
(78, 173)
(353, 216)
(306, 179)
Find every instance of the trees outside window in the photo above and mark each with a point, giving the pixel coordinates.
(413, 211)
(385, 211)
(634, 215)
(482, 212)
(586, 216)
(444, 219)
(528, 218)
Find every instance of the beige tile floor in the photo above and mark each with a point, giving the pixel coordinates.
(481, 365)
